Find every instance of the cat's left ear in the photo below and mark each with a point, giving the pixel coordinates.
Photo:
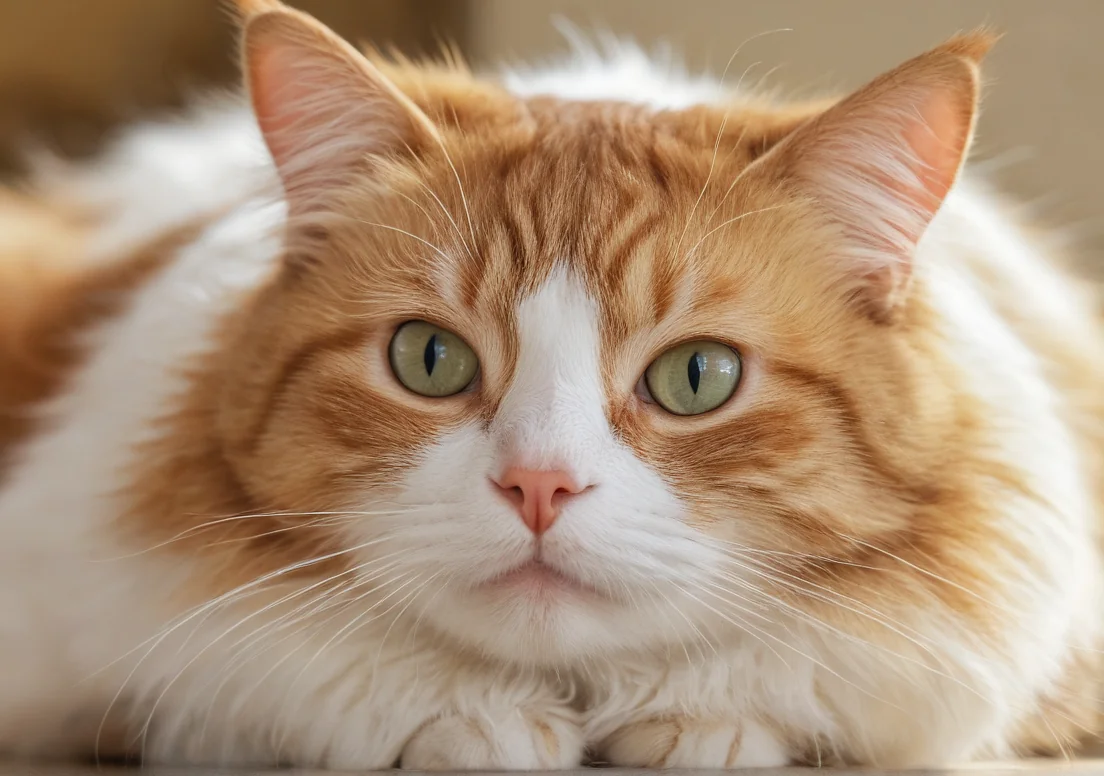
(324, 110)
(880, 162)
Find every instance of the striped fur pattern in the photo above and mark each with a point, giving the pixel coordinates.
(229, 535)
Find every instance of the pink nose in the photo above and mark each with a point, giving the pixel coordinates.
(537, 495)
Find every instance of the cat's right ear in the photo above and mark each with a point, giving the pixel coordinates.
(324, 110)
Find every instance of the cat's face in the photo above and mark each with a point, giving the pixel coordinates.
(585, 378)
(562, 290)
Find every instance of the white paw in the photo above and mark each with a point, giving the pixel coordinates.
(682, 742)
(519, 741)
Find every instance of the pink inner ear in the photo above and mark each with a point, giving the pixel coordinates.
(886, 167)
(937, 142)
(275, 95)
(325, 113)
(880, 164)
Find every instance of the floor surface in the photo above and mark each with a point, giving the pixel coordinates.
(1080, 767)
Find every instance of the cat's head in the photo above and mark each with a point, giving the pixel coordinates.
(587, 376)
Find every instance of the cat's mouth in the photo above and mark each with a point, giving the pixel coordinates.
(538, 579)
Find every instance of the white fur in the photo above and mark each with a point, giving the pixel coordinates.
(615, 69)
(161, 174)
(72, 608)
(441, 670)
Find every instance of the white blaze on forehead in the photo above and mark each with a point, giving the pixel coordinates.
(553, 414)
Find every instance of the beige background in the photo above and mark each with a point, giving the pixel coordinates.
(1043, 119)
(71, 69)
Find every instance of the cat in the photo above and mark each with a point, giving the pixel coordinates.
(396, 415)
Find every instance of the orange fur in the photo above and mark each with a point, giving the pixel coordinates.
(50, 296)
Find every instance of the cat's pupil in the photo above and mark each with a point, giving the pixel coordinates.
(430, 355)
(693, 371)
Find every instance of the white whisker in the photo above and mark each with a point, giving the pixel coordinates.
(729, 222)
(411, 235)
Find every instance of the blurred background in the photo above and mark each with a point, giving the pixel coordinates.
(72, 69)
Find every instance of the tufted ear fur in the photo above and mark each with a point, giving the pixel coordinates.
(880, 162)
(324, 110)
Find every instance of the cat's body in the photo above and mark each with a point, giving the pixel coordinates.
(913, 572)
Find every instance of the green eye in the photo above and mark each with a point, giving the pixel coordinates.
(431, 361)
(694, 377)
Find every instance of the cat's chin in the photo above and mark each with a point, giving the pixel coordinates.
(536, 615)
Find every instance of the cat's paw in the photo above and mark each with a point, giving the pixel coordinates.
(519, 741)
(685, 742)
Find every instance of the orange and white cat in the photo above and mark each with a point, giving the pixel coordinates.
(414, 417)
